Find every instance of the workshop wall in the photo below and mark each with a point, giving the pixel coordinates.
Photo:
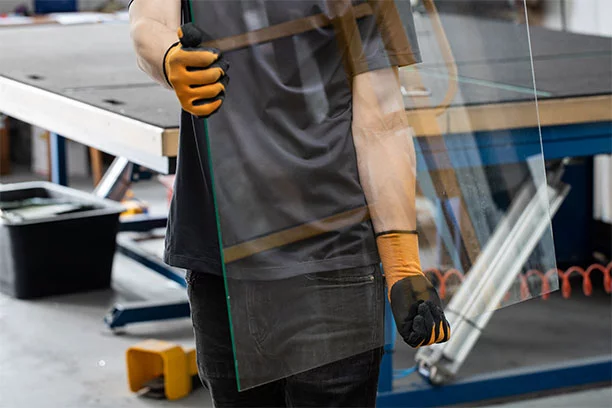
(588, 17)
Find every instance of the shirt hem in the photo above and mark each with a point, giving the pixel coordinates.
(207, 265)
(202, 264)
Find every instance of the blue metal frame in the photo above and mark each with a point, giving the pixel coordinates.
(575, 216)
(59, 162)
(143, 223)
(503, 384)
(136, 312)
(515, 145)
(54, 6)
(132, 250)
(121, 315)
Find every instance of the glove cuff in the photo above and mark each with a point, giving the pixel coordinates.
(165, 63)
(399, 253)
(413, 232)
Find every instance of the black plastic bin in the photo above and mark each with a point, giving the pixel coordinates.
(60, 254)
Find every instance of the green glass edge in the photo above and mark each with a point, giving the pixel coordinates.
(219, 235)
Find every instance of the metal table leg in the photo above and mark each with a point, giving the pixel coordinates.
(116, 180)
(59, 164)
(138, 312)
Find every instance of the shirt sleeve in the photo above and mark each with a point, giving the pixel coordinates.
(388, 40)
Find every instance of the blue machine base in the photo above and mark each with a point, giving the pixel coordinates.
(135, 312)
(502, 384)
(121, 315)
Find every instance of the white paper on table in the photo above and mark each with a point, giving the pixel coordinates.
(81, 18)
(122, 15)
(15, 20)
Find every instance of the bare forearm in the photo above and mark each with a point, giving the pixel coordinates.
(387, 174)
(385, 151)
(153, 27)
(387, 170)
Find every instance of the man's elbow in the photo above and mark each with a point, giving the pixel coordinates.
(139, 40)
(137, 30)
(141, 64)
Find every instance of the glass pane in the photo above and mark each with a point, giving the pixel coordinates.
(346, 120)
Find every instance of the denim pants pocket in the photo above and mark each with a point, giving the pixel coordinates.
(310, 320)
(360, 275)
(355, 293)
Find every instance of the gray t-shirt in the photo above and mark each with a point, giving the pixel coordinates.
(280, 148)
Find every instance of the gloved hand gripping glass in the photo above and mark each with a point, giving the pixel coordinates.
(198, 74)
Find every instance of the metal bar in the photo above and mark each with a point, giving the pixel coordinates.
(503, 384)
(132, 250)
(563, 5)
(142, 223)
(116, 180)
(121, 315)
(517, 145)
(59, 163)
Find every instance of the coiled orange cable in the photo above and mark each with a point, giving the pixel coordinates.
(444, 279)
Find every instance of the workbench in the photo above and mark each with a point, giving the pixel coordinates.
(82, 82)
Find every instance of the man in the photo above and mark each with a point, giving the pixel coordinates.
(295, 150)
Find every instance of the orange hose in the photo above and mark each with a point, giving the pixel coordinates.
(564, 277)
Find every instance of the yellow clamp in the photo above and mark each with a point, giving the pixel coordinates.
(152, 359)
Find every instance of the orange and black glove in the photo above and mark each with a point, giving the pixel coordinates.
(198, 74)
(415, 303)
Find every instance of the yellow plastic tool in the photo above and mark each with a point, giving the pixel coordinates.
(152, 359)
(133, 205)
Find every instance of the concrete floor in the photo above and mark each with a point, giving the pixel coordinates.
(56, 352)
(599, 398)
